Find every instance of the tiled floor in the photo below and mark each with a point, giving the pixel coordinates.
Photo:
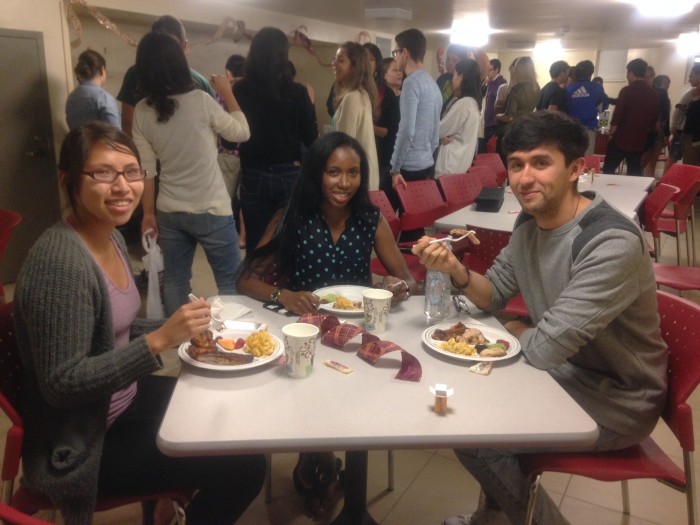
(431, 484)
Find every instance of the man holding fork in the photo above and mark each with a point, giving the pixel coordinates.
(588, 284)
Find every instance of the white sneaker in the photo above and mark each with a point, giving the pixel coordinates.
(480, 517)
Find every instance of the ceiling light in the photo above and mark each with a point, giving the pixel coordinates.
(688, 44)
(664, 9)
(472, 30)
(549, 50)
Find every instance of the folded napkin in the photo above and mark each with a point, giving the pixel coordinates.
(337, 334)
(224, 311)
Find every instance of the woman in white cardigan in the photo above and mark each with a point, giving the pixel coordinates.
(459, 127)
(355, 102)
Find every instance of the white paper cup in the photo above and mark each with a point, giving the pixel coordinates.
(299, 348)
(377, 302)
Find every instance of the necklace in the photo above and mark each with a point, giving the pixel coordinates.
(576, 208)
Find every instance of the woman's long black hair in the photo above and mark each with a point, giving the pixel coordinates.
(162, 71)
(278, 255)
(471, 79)
(267, 64)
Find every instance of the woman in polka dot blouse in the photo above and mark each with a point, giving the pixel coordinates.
(326, 233)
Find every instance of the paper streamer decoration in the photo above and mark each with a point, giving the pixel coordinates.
(337, 334)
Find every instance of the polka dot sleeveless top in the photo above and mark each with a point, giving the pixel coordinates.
(321, 263)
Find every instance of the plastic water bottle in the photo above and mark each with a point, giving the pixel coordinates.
(437, 295)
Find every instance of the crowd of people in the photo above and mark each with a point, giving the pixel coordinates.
(209, 158)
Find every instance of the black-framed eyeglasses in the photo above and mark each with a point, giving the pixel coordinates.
(110, 174)
(396, 51)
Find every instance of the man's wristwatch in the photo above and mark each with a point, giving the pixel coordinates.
(275, 296)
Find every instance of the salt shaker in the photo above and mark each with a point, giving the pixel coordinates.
(437, 295)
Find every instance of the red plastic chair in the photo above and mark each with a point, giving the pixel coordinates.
(680, 320)
(480, 258)
(492, 160)
(654, 205)
(459, 189)
(8, 221)
(601, 144)
(422, 204)
(15, 517)
(592, 162)
(488, 177)
(418, 271)
(23, 499)
(675, 222)
(677, 277)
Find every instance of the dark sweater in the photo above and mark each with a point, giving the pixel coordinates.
(63, 318)
(277, 128)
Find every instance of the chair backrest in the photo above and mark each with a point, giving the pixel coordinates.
(487, 175)
(687, 179)
(492, 160)
(491, 242)
(680, 329)
(10, 393)
(422, 204)
(381, 201)
(459, 189)
(601, 143)
(8, 220)
(655, 204)
(592, 162)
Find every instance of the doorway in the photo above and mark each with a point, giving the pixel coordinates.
(28, 181)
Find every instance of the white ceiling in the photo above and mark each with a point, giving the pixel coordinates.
(581, 24)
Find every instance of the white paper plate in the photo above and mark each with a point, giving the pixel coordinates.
(354, 293)
(232, 334)
(491, 334)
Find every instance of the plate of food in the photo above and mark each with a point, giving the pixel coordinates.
(342, 299)
(471, 341)
(231, 350)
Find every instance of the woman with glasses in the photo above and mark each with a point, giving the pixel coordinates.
(178, 125)
(90, 406)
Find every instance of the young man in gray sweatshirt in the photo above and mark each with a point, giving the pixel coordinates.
(587, 281)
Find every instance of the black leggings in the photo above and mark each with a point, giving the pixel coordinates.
(132, 463)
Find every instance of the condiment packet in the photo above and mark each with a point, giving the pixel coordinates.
(483, 368)
(335, 365)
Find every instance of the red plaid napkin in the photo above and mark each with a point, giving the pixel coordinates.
(337, 334)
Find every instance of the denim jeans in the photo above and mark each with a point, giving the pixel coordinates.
(179, 234)
(498, 472)
(263, 192)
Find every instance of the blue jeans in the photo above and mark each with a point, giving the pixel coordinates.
(498, 472)
(263, 192)
(179, 234)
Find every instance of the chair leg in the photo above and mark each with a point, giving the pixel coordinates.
(657, 248)
(690, 487)
(268, 478)
(625, 497)
(678, 242)
(532, 498)
(390, 469)
(7, 488)
(692, 230)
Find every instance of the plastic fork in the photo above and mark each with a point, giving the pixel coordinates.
(455, 239)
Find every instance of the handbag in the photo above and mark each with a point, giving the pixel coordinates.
(153, 263)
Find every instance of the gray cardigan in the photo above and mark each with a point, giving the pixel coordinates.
(64, 330)
(590, 289)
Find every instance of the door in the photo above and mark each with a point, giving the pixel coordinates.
(28, 181)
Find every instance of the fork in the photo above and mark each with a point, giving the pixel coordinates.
(453, 239)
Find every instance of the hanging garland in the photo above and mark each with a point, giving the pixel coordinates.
(299, 35)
